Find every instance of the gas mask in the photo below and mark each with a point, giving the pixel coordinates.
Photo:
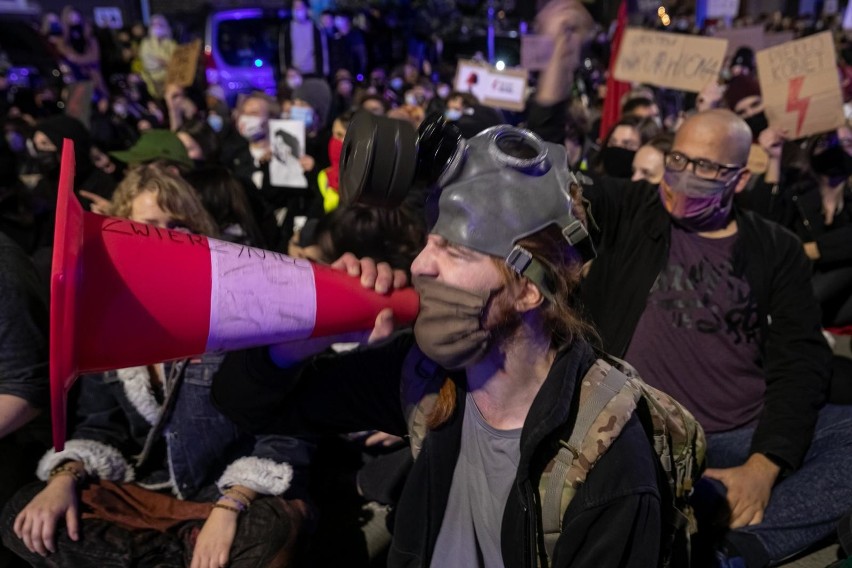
(485, 193)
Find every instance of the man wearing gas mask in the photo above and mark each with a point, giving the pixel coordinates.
(488, 380)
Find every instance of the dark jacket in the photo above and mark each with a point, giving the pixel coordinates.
(797, 205)
(614, 519)
(635, 235)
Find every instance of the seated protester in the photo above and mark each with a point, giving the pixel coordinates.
(824, 223)
(648, 163)
(619, 146)
(224, 197)
(156, 472)
(484, 403)
(720, 313)
(814, 201)
(24, 387)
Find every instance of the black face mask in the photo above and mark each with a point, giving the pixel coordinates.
(833, 163)
(757, 123)
(617, 162)
(48, 162)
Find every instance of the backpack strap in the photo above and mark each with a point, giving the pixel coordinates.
(421, 381)
(600, 386)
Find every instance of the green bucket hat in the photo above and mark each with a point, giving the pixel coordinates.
(156, 144)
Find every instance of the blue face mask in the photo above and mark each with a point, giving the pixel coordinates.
(452, 114)
(304, 114)
(216, 122)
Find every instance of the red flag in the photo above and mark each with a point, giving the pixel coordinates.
(614, 89)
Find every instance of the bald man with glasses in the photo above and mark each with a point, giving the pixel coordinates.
(714, 305)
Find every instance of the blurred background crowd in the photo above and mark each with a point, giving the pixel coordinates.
(199, 155)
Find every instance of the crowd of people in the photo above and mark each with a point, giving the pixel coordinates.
(724, 282)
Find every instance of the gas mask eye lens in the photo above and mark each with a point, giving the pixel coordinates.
(516, 146)
(519, 149)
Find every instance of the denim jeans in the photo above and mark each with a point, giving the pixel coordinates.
(805, 506)
(269, 534)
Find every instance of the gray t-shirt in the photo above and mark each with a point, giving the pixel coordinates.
(486, 468)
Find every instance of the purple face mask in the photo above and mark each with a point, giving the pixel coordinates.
(697, 204)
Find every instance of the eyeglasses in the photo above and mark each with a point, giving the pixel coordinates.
(706, 169)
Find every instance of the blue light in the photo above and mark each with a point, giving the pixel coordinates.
(258, 63)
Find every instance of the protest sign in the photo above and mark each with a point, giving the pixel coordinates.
(287, 139)
(184, 63)
(674, 61)
(505, 89)
(536, 51)
(800, 86)
(723, 8)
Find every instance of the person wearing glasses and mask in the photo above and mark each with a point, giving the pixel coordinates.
(720, 313)
(714, 305)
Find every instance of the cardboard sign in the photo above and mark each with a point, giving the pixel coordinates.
(800, 86)
(674, 61)
(184, 63)
(723, 8)
(79, 101)
(536, 52)
(752, 36)
(505, 89)
(109, 17)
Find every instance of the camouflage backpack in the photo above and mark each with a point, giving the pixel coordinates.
(611, 392)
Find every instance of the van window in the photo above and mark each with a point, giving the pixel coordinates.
(249, 42)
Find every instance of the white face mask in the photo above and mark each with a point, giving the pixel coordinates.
(252, 128)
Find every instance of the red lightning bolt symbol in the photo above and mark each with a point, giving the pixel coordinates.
(794, 103)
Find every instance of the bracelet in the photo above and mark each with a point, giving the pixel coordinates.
(68, 469)
(239, 504)
(226, 507)
(238, 492)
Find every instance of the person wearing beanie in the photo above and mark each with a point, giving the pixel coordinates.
(744, 98)
(316, 94)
